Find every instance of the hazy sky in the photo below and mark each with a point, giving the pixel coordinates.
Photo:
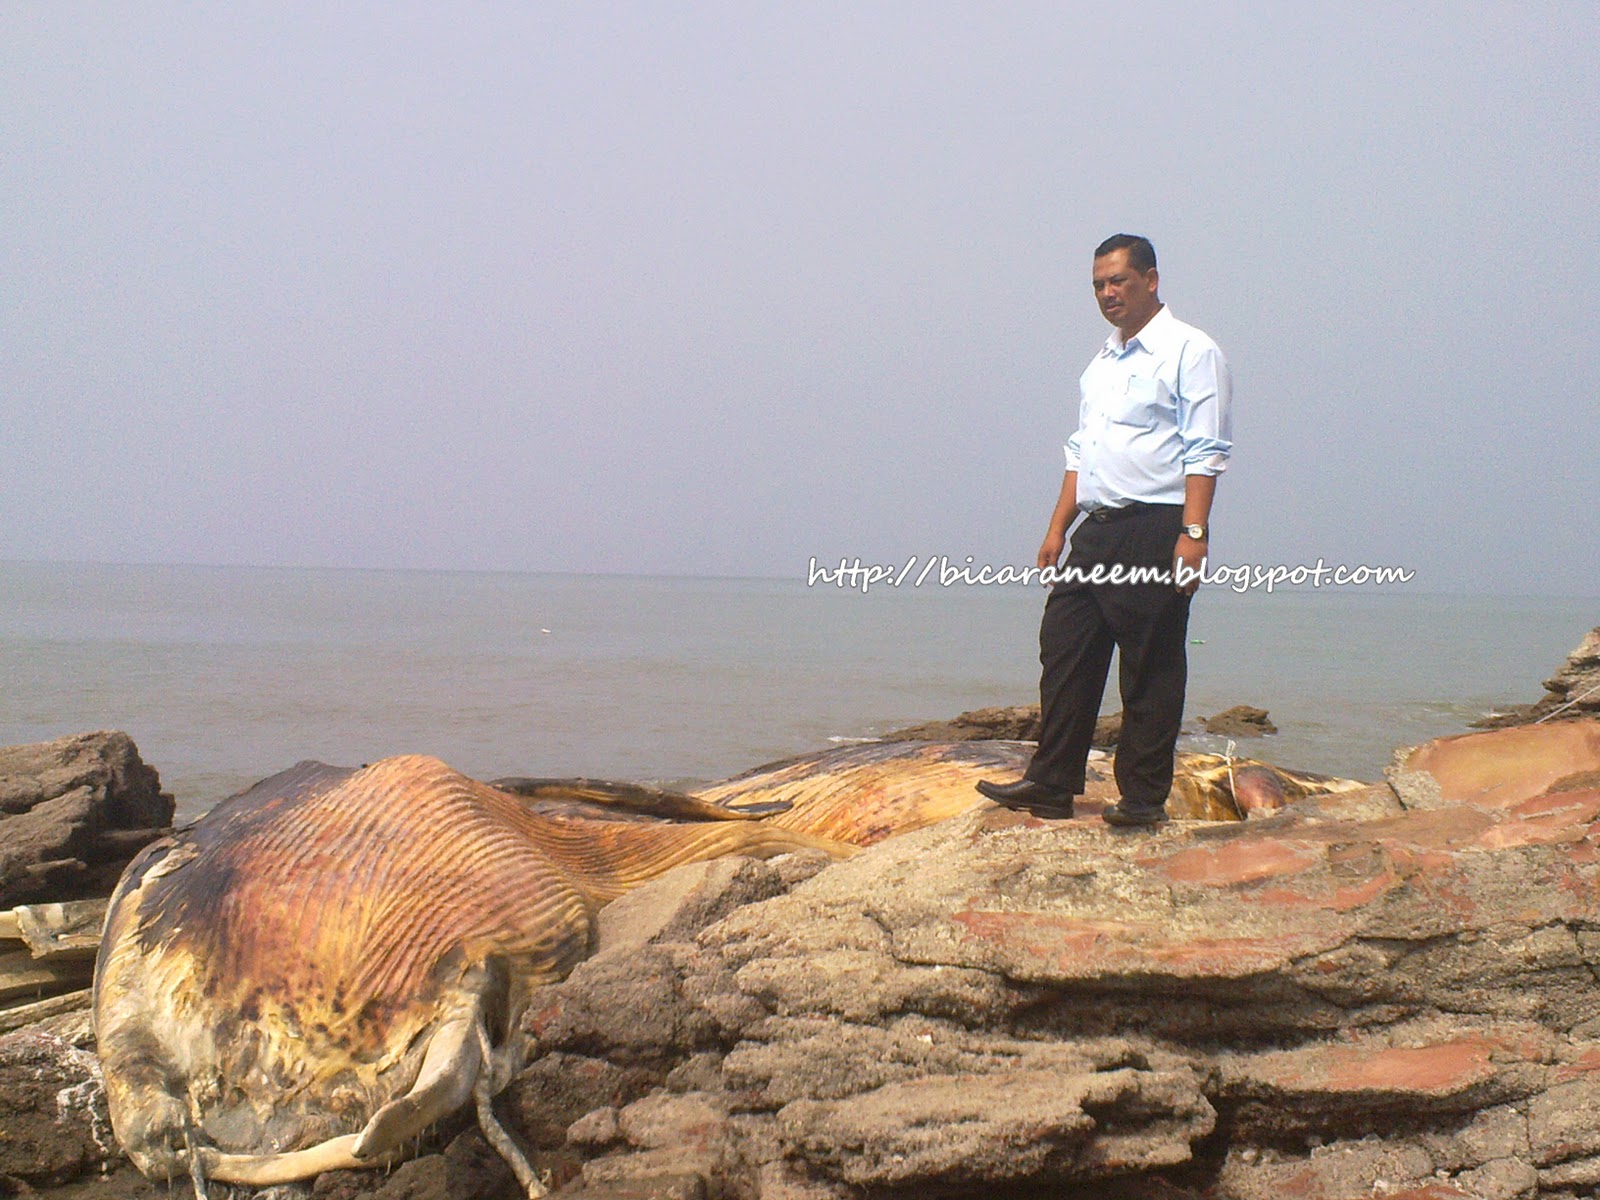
(707, 288)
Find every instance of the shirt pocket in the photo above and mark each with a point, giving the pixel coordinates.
(1138, 404)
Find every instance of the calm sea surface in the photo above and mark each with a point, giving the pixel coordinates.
(225, 675)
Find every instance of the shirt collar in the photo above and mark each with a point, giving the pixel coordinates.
(1148, 338)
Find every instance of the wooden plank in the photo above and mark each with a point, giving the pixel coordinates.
(50, 929)
(18, 1015)
(23, 975)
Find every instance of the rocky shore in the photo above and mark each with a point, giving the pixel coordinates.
(1389, 992)
(1573, 691)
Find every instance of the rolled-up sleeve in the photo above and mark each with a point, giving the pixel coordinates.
(1205, 410)
(1074, 455)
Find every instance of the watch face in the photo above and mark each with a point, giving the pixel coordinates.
(1197, 532)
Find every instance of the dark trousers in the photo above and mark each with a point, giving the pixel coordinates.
(1148, 623)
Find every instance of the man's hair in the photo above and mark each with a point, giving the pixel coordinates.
(1141, 254)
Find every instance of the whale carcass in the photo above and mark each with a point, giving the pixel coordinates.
(331, 961)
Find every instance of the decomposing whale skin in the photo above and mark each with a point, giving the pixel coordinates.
(1212, 787)
(331, 961)
(865, 793)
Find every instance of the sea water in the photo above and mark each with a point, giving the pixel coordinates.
(225, 675)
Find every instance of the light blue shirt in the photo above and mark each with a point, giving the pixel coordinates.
(1150, 413)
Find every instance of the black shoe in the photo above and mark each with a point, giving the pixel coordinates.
(1027, 796)
(1130, 818)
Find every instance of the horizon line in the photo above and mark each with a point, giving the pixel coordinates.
(799, 576)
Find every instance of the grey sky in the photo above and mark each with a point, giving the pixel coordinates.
(712, 288)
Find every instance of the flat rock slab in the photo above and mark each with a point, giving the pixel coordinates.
(1349, 998)
(1500, 768)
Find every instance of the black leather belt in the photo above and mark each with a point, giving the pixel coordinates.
(1116, 514)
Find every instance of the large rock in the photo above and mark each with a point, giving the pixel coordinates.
(1577, 683)
(1018, 723)
(1347, 999)
(53, 1120)
(73, 812)
(1573, 691)
(1015, 723)
(1242, 720)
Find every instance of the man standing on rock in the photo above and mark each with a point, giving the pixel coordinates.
(1154, 430)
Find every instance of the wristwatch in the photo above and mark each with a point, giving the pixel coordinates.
(1197, 532)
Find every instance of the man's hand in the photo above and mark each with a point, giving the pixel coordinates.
(1055, 539)
(1187, 557)
(1050, 549)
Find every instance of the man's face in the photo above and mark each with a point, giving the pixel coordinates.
(1126, 297)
